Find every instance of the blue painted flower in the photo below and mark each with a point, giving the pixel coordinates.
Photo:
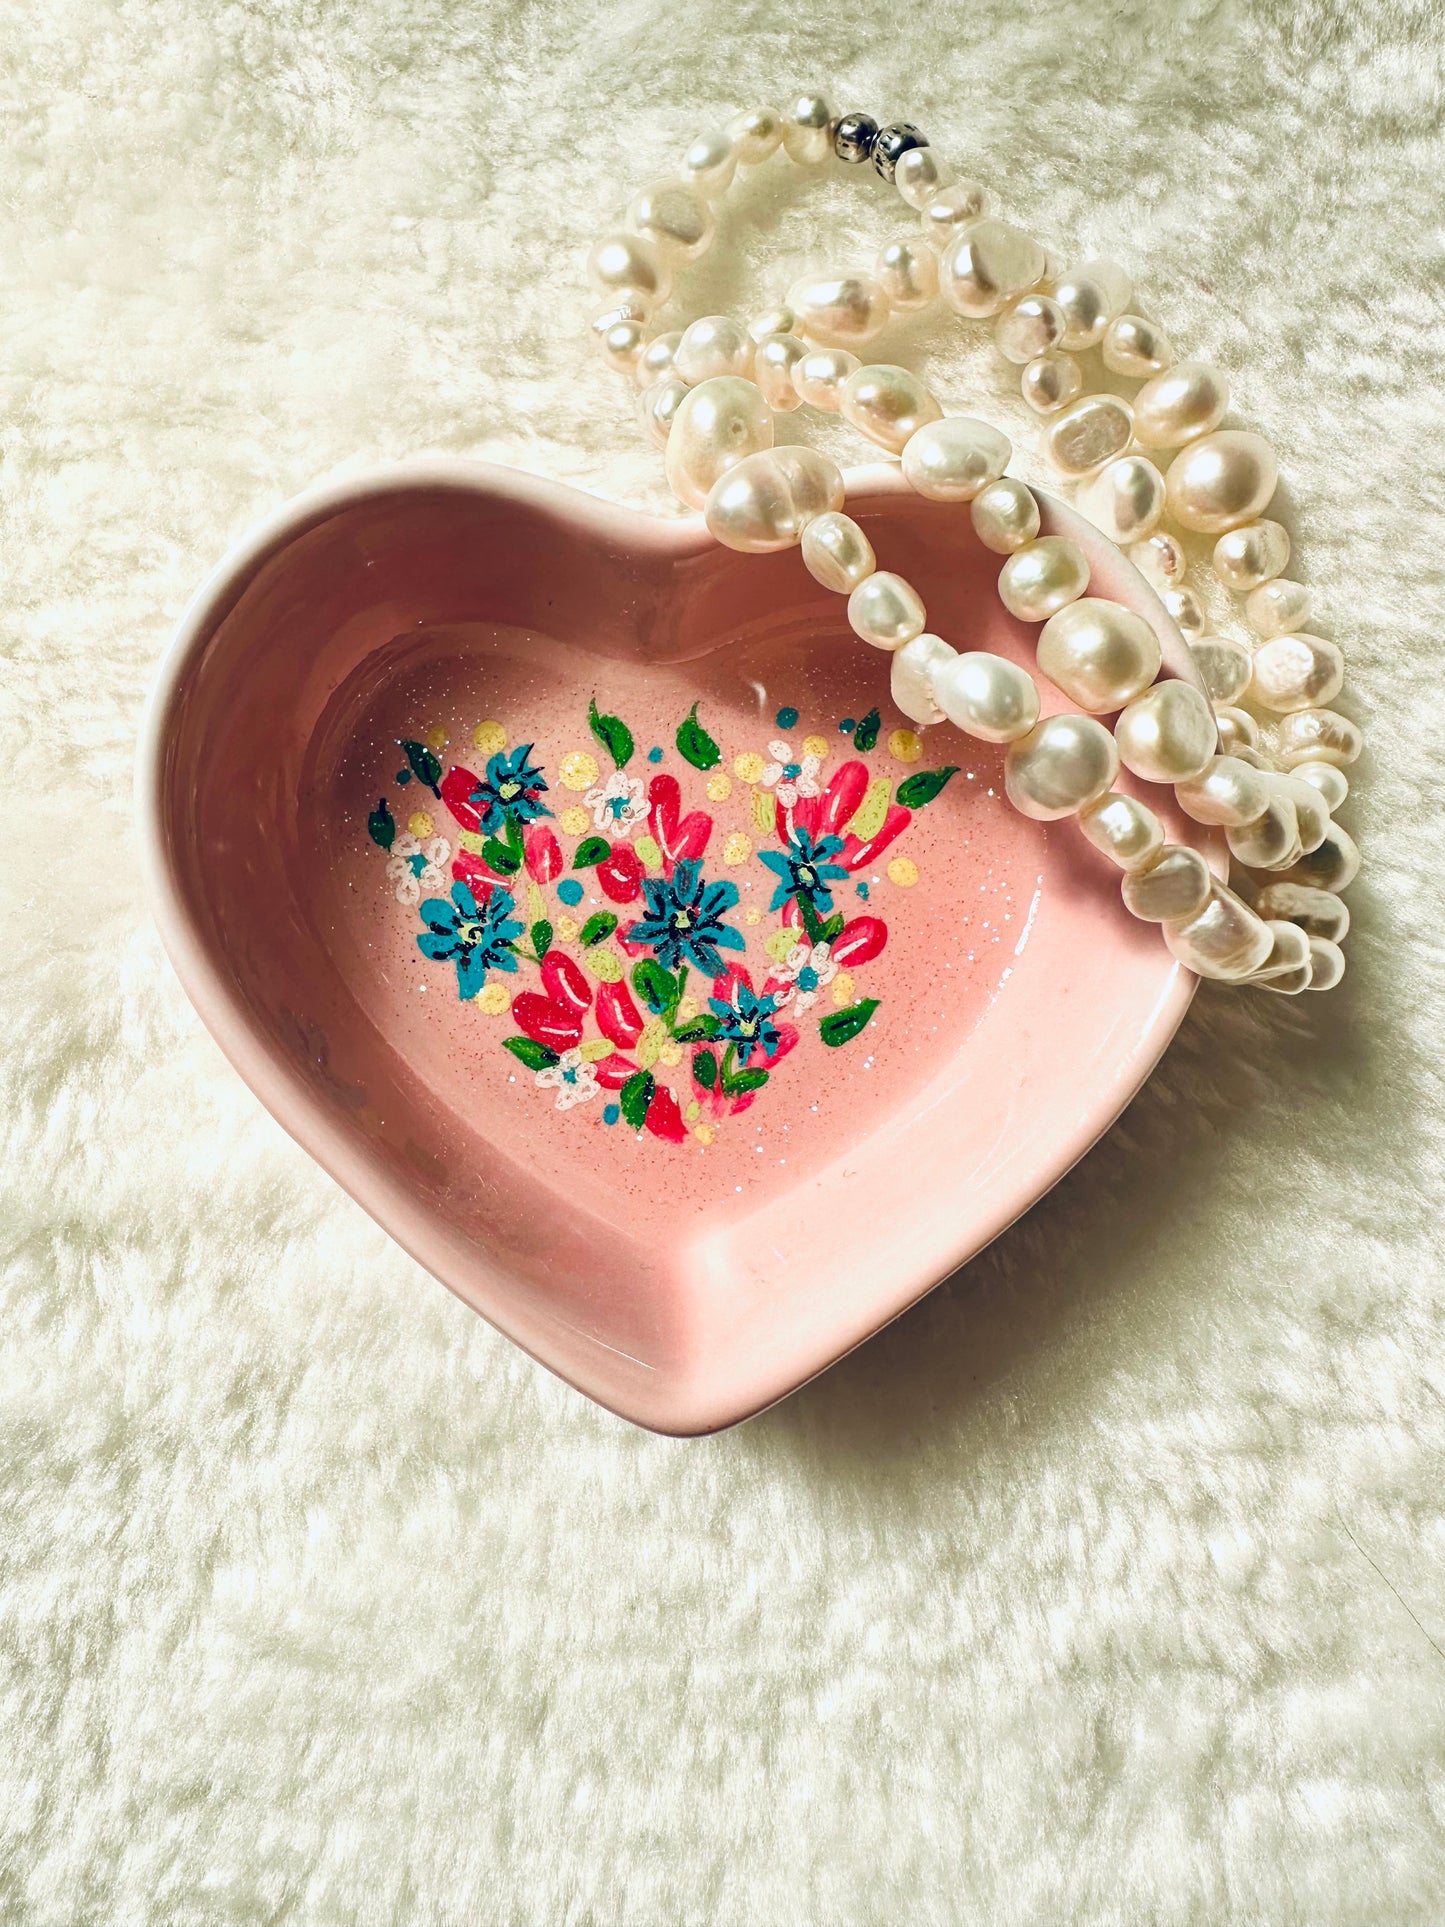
(509, 791)
(475, 939)
(804, 868)
(746, 1021)
(684, 921)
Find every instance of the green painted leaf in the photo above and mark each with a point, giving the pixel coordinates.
(382, 825)
(526, 1050)
(698, 1030)
(704, 1069)
(842, 1026)
(541, 936)
(656, 986)
(833, 928)
(746, 1081)
(635, 1098)
(866, 734)
(613, 734)
(695, 745)
(592, 849)
(915, 791)
(504, 860)
(598, 928)
(424, 765)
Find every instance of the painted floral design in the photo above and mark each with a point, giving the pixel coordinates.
(610, 942)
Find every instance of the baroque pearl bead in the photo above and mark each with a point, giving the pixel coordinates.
(1332, 784)
(756, 134)
(1289, 958)
(1030, 326)
(676, 218)
(1188, 400)
(1278, 607)
(660, 404)
(951, 209)
(888, 404)
(622, 346)
(1311, 814)
(1271, 841)
(1100, 654)
(774, 359)
(1225, 940)
(987, 265)
(1176, 884)
(837, 553)
(1125, 499)
(713, 345)
(918, 175)
(715, 426)
(1224, 666)
(1221, 480)
(910, 681)
(773, 321)
(1238, 731)
(710, 163)
(820, 375)
(840, 310)
(1319, 913)
(1063, 763)
(655, 363)
(1039, 579)
(1254, 553)
(1186, 612)
(1160, 560)
(907, 271)
(807, 130)
(1089, 432)
(1050, 382)
(632, 263)
(1135, 347)
(1327, 964)
(1126, 830)
(1168, 734)
(1296, 672)
(1333, 866)
(986, 696)
(765, 501)
(1318, 736)
(886, 611)
(1005, 515)
(1226, 792)
(1088, 297)
(952, 459)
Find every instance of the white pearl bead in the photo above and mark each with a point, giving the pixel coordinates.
(1124, 829)
(1135, 348)
(1333, 866)
(953, 459)
(676, 218)
(1224, 666)
(1311, 812)
(1271, 841)
(918, 175)
(1279, 607)
(755, 135)
(1318, 736)
(710, 163)
(655, 363)
(622, 346)
(951, 209)
(1296, 672)
(1221, 480)
(1332, 784)
(907, 270)
(1226, 792)
(987, 265)
(1005, 516)
(886, 611)
(1327, 964)
(1050, 382)
(840, 310)
(837, 553)
(1319, 913)
(888, 404)
(765, 501)
(1038, 580)
(1175, 885)
(1168, 734)
(774, 359)
(773, 321)
(1187, 400)
(1225, 940)
(1247, 556)
(1289, 959)
(713, 345)
(1088, 433)
(986, 696)
(1100, 654)
(660, 404)
(1186, 612)
(1090, 297)
(1125, 499)
(1160, 560)
(820, 375)
(630, 262)
(807, 130)
(1238, 732)
(1063, 763)
(910, 680)
(1032, 325)
(715, 426)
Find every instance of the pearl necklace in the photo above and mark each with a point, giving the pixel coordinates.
(710, 395)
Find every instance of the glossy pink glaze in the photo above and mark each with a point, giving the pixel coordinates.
(684, 1287)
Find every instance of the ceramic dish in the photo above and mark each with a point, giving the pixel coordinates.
(923, 1085)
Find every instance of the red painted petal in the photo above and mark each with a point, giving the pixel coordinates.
(791, 914)
(856, 855)
(692, 836)
(844, 793)
(787, 1041)
(860, 941)
(664, 1119)
(456, 786)
(665, 797)
(806, 814)
(614, 1071)
(618, 1017)
(564, 982)
(722, 987)
(543, 854)
(632, 949)
(621, 874)
(472, 871)
(545, 1022)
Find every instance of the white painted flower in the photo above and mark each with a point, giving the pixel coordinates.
(572, 1078)
(808, 968)
(790, 777)
(416, 868)
(618, 804)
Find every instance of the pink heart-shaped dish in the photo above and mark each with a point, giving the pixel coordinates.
(454, 970)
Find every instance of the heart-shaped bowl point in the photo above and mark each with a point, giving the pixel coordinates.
(568, 886)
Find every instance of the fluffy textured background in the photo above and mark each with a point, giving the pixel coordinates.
(1107, 1586)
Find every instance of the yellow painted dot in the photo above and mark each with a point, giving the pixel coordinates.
(905, 745)
(815, 746)
(670, 1054)
(842, 990)
(693, 1111)
(903, 871)
(748, 767)
(420, 824)
(687, 1010)
(704, 1134)
(719, 788)
(493, 1000)
(782, 943)
(490, 738)
(575, 821)
(435, 739)
(578, 770)
(752, 914)
(738, 848)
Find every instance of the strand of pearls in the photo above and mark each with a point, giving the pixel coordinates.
(712, 390)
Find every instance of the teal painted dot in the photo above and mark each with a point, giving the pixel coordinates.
(570, 890)
(847, 726)
(611, 1113)
(863, 891)
(787, 718)
(403, 776)
(654, 755)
